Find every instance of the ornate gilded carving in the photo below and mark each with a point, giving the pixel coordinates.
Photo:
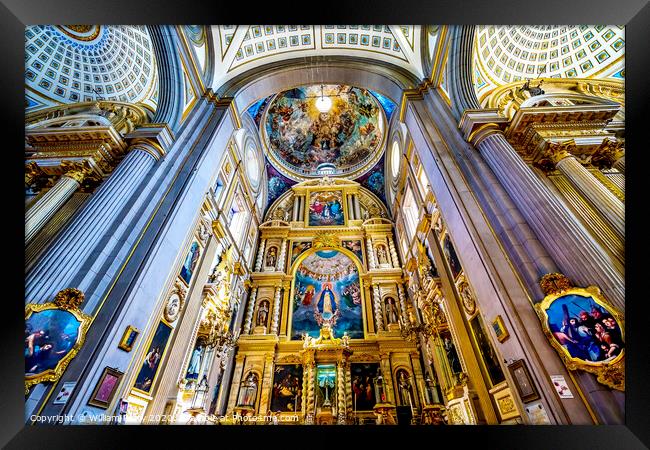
(554, 283)
(325, 240)
(609, 151)
(69, 298)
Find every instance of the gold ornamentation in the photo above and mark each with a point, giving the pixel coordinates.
(325, 240)
(609, 151)
(68, 300)
(554, 283)
(506, 405)
(610, 373)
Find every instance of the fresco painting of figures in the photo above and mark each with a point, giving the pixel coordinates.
(327, 290)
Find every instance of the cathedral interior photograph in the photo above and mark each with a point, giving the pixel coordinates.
(324, 225)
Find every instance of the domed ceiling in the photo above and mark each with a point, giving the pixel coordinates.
(504, 54)
(344, 137)
(77, 63)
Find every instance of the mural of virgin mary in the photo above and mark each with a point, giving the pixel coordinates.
(327, 302)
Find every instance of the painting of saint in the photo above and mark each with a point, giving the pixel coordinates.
(327, 290)
(355, 247)
(49, 336)
(488, 354)
(363, 385)
(452, 258)
(190, 262)
(585, 329)
(153, 357)
(287, 388)
(326, 208)
(297, 248)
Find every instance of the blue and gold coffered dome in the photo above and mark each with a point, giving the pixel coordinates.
(317, 130)
(78, 63)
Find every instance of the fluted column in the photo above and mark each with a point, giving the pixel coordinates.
(619, 164)
(248, 323)
(170, 75)
(283, 256)
(601, 198)
(562, 235)
(371, 254)
(55, 270)
(379, 319)
(260, 256)
(43, 210)
(276, 311)
(393, 252)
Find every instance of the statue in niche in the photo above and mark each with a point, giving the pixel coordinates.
(452, 355)
(195, 363)
(248, 391)
(391, 310)
(271, 257)
(404, 388)
(382, 255)
(262, 314)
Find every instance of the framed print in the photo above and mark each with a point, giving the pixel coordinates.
(128, 338)
(525, 386)
(500, 329)
(286, 395)
(105, 388)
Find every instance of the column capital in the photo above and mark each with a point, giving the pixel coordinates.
(78, 171)
(606, 155)
(154, 138)
(477, 124)
(557, 151)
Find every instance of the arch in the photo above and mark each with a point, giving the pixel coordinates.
(264, 81)
(294, 269)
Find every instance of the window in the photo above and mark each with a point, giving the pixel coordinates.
(410, 212)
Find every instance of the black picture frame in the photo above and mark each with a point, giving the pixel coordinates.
(634, 13)
(523, 381)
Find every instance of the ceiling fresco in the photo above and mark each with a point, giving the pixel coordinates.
(347, 135)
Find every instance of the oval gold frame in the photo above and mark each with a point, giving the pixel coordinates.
(610, 373)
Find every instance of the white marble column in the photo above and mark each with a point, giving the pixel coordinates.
(568, 242)
(43, 210)
(283, 256)
(56, 268)
(357, 208)
(402, 304)
(601, 198)
(276, 311)
(393, 252)
(371, 254)
(260, 256)
(379, 318)
(248, 323)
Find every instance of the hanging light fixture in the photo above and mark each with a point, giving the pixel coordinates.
(323, 103)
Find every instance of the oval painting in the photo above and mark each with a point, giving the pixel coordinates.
(49, 336)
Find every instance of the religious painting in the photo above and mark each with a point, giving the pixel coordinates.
(450, 351)
(363, 385)
(153, 357)
(297, 248)
(53, 336)
(128, 338)
(287, 388)
(327, 290)
(450, 255)
(302, 134)
(191, 260)
(374, 180)
(354, 245)
(278, 183)
(326, 209)
(106, 388)
(524, 383)
(586, 330)
(488, 354)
